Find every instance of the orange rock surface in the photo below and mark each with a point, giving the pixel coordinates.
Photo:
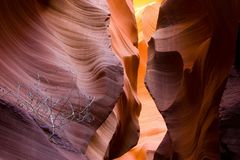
(187, 71)
(119, 79)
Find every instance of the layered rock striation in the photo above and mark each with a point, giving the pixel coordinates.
(188, 65)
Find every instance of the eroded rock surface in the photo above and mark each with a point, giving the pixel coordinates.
(58, 65)
(187, 71)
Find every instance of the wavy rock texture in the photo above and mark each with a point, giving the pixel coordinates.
(229, 111)
(124, 39)
(146, 16)
(187, 71)
(72, 79)
(58, 52)
(98, 147)
(124, 119)
(22, 138)
(152, 126)
(229, 117)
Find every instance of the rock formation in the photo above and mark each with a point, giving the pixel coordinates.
(72, 79)
(124, 118)
(229, 118)
(58, 66)
(229, 111)
(187, 71)
(124, 36)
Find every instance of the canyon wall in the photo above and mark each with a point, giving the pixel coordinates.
(189, 59)
(72, 76)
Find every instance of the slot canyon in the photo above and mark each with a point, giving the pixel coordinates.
(120, 80)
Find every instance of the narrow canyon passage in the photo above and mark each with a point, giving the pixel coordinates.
(119, 79)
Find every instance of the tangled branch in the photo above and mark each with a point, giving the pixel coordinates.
(54, 112)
